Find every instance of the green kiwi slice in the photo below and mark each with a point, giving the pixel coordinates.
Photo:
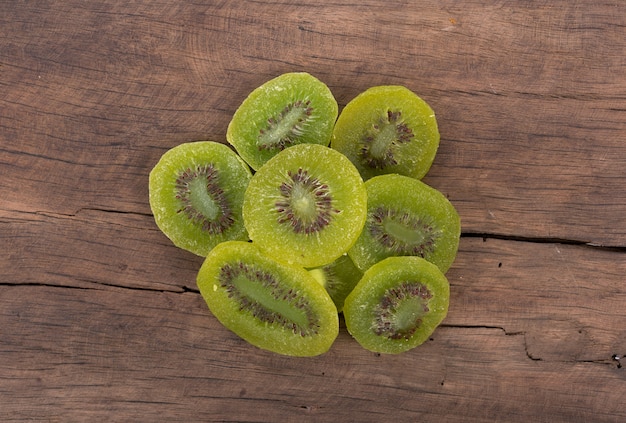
(397, 305)
(290, 109)
(339, 278)
(196, 194)
(406, 217)
(272, 305)
(306, 205)
(387, 129)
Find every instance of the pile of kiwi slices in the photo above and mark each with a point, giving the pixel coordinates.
(309, 213)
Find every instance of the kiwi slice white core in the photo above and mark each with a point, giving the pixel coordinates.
(383, 141)
(271, 302)
(201, 200)
(399, 231)
(402, 319)
(283, 130)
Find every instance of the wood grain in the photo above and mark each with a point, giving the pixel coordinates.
(160, 355)
(100, 318)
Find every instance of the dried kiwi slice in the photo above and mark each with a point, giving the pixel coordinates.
(387, 129)
(290, 109)
(306, 205)
(397, 305)
(196, 193)
(339, 278)
(272, 305)
(406, 217)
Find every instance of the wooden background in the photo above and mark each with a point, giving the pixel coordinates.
(100, 318)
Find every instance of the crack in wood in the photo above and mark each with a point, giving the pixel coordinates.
(30, 284)
(181, 290)
(544, 240)
(614, 360)
(100, 210)
(80, 211)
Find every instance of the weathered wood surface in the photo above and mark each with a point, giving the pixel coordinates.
(100, 319)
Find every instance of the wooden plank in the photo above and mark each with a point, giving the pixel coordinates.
(532, 330)
(93, 248)
(516, 286)
(89, 354)
(531, 99)
(567, 301)
(100, 318)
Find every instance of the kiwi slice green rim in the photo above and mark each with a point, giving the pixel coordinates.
(387, 129)
(407, 217)
(290, 109)
(306, 205)
(196, 192)
(272, 305)
(397, 305)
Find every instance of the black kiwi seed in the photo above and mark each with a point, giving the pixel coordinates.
(422, 246)
(378, 144)
(305, 203)
(283, 130)
(239, 281)
(216, 215)
(386, 312)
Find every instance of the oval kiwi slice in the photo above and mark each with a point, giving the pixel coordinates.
(272, 305)
(397, 305)
(339, 278)
(290, 109)
(196, 193)
(406, 217)
(387, 129)
(306, 205)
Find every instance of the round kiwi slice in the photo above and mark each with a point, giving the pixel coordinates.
(290, 109)
(339, 278)
(387, 129)
(272, 305)
(406, 217)
(196, 193)
(397, 305)
(306, 205)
